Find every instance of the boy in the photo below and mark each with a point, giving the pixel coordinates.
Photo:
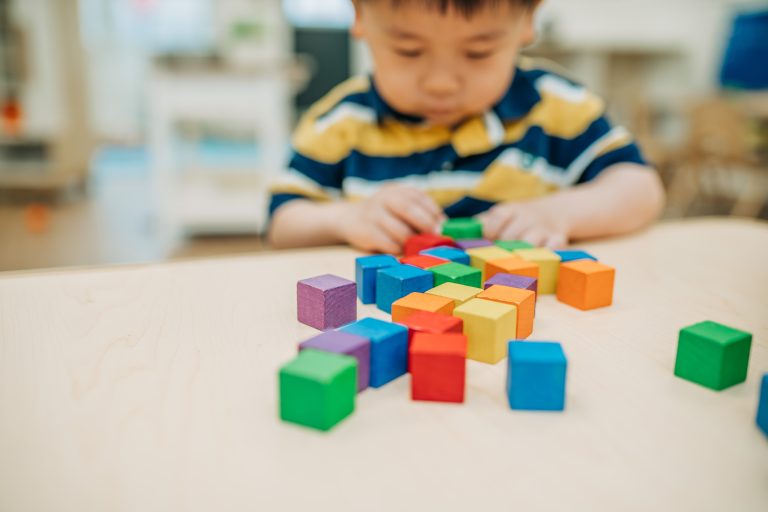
(454, 123)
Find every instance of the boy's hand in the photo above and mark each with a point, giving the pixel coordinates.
(537, 222)
(385, 220)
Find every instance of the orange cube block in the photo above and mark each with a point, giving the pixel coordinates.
(513, 265)
(416, 301)
(525, 300)
(586, 284)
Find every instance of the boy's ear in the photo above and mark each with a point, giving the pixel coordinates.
(529, 29)
(356, 30)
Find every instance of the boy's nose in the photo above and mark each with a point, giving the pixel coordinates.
(441, 82)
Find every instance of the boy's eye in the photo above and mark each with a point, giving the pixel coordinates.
(479, 55)
(408, 53)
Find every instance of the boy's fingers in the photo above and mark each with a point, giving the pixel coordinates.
(514, 230)
(413, 214)
(556, 241)
(395, 229)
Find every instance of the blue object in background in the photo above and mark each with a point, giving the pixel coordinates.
(389, 348)
(365, 274)
(536, 376)
(393, 283)
(566, 256)
(448, 253)
(745, 65)
(762, 406)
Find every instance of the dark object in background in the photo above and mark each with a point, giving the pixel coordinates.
(328, 51)
(745, 65)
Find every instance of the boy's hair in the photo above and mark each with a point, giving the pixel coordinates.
(465, 7)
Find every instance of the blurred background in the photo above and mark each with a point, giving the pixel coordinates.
(143, 130)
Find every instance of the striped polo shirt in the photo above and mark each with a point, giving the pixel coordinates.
(546, 133)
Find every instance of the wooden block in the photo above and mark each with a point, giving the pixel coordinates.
(448, 253)
(513, 245)
(481, 256)
(389, 348)
(514, 266)
(523, 300)
(459, 293)
(395, 282)
(762, 407)
(457, 273)
(549, 267)
(365, 274)
(318, 389)
(422, 261)
(568, 256)
(326, 302)
(513, 281)
(473, 244)
(348, 344)
(417, 243)
(488, 327)
(713, 355)
(438, 367)
(536, 374)
(431, 323)
(463, 229)
(586, 284)
(404, 307)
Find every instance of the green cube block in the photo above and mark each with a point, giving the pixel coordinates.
(713, 355)
(463, 229)
(513, 245)
(318, 389)
(457, 273)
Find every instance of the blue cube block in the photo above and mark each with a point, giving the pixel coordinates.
(566, 256)
(448, 253)
(365, 274)
(394, 283)
(536, 376)
(762, 406)
(389, 348)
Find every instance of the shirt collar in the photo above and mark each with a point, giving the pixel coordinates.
(519, 99)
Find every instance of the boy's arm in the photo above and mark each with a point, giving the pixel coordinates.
(623, 198)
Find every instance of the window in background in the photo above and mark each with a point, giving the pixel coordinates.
(312, 13)
(156, 26)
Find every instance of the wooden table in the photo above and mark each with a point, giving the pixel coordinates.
(153, 388)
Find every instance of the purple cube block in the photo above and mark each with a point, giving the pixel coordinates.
(326, 302)
(513, 281)
(348, 344)
(472, 244)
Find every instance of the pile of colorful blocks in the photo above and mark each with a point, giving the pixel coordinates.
(454, 297)
(451, 297)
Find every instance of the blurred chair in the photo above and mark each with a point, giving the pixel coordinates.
(717, 161)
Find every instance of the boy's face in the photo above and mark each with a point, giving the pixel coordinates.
(443, 67)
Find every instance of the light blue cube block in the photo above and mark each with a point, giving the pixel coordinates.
(365, 274)
(448, 253)
(393, 283)
(389, 348)
(536, 376)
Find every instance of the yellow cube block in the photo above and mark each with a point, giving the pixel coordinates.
(488, 327)
(459, 293)
(479, 256)
(549, 267)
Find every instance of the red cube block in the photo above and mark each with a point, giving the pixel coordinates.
(431, 323)
(438, 367)
(422, 261)
(417, 243)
